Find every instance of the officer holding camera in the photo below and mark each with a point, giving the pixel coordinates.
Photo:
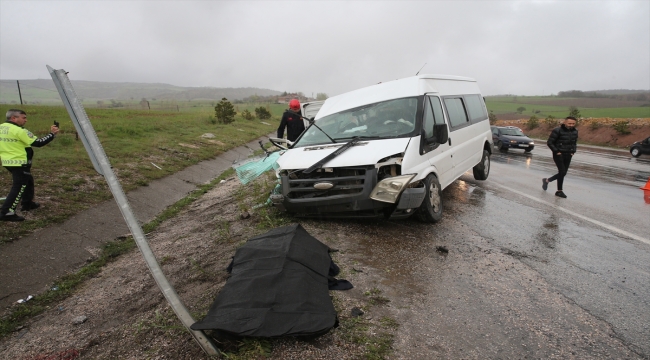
(16, 153)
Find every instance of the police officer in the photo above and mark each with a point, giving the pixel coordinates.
(16, 153)
(292, 120)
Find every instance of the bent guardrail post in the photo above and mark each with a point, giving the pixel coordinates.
(102, 166)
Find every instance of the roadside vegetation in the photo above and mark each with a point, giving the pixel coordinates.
(523, 107)
(142, 146)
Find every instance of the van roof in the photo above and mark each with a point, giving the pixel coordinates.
(406, 87)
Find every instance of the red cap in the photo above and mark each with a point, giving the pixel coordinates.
(294, 104)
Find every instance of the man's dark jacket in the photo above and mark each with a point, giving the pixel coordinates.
(563, 140)
(294, 124)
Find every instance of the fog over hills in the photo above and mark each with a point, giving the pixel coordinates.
(43, 90)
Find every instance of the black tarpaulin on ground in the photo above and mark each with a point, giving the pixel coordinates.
(278, 287)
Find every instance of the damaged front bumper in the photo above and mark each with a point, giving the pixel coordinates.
(342, 193)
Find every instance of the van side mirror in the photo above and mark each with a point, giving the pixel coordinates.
(442, 134)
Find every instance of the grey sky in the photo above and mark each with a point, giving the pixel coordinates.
(516, 47)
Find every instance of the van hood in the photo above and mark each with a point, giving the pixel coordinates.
(365, 152)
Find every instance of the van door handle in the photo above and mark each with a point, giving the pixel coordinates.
(449, 141)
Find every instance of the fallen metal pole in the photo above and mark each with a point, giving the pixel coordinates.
(103, 167)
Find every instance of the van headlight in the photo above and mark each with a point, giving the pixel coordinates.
(388, 190)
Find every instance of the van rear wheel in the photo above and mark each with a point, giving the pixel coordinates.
(482, 169)
(431, 209)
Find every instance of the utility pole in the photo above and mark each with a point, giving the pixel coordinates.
(19, 94)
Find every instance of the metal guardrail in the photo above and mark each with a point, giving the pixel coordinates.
(102, 166)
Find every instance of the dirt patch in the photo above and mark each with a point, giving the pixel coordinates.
(593, 131)
(121, 313)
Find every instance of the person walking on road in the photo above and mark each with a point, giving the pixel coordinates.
(563, 142)
(292, 120)
(16, 154)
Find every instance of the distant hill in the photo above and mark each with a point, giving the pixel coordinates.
(44, 91)
(620, 92)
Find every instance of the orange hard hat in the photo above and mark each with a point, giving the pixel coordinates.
(294, 104)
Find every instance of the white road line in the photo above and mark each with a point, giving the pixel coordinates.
(593, 221)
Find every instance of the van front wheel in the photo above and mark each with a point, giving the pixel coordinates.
(431, 209)
(482, 169)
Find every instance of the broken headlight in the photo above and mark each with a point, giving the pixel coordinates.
(388, 190)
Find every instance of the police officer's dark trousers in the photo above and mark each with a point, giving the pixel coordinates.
(21, 188)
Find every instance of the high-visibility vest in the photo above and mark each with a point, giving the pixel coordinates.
(13, 141)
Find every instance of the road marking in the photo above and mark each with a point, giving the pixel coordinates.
(593, 221)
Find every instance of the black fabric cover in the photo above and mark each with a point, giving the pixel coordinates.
(278, 287)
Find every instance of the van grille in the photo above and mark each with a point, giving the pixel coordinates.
(347, 181)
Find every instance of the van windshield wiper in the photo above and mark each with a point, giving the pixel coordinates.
(331, 156)
(361, 137)
(313, 123)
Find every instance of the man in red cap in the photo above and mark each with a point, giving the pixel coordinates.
(292, 120)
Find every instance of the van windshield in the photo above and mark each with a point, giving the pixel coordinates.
(386, 119)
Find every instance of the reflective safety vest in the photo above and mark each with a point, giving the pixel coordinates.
(13, 141)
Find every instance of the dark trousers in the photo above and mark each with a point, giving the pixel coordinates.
(22, 188)
(562, 162)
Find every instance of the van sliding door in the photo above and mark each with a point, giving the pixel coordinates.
(461, 134)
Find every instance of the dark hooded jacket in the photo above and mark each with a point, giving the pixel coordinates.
(563, 140)
(294, 124)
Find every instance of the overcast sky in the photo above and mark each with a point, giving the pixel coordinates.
(510, 47)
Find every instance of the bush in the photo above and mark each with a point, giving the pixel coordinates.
(247, 115)
(550, 121)
(262, 113)
(595, 125)
(621, 127)
(532, 123)
(225, 112)
(521, 109)
(493, 118)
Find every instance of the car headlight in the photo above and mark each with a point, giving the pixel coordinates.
(532, 143)
(513, 141)
(388, 190)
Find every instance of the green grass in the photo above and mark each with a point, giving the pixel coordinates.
(503, 105)
(132, 140)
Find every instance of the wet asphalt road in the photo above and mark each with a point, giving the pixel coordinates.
(528, 274)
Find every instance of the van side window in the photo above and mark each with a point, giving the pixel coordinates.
(428, 122)
(437, 110)
(456, 112)
(475, 108)
(434, 117)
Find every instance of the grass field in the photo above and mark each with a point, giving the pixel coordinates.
(544, 105)
(66, 181)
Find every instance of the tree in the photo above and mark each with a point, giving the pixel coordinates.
(521, 109)
(262, 113)
(573, 111)
(225, 112)
(321, 96)
(532, 123)
(247, 115)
